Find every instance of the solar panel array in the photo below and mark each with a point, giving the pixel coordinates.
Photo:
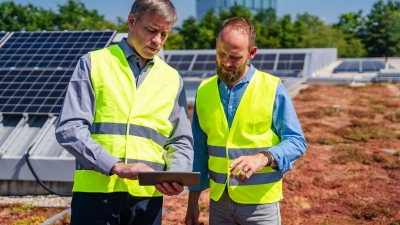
(33, 91)
(360, 66)
(35, 68)
(49, 49)
(203, 65)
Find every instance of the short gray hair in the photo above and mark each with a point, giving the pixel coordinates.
(163, 8)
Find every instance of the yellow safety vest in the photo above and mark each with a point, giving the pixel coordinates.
(132, 124)
(250, 133)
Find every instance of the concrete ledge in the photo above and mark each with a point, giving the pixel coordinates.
(47, 169)
(390, 75)
(22, 188)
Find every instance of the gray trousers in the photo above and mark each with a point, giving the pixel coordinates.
(226, 212)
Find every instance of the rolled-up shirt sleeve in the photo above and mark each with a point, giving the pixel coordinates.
(75, 120)
(180, 142)
(287, 126)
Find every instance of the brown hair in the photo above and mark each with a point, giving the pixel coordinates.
(163, 8)
(241, 24)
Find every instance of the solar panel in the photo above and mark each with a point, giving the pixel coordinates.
(181, 62)
(372, 66)
(291, 62)
(50, 49)
(359, 66)
(197, 74)
(38, 91)
(264, 62)
(3, 36)
(204, 62)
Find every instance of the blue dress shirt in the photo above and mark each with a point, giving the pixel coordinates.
(284, 123)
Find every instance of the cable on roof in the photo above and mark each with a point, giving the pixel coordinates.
(40, 181)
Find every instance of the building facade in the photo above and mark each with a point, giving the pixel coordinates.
(255, 6)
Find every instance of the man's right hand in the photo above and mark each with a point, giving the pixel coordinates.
(192, 215)
(129, 171)
(193, 210)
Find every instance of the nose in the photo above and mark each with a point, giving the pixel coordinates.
(157, 39)
(226, 63)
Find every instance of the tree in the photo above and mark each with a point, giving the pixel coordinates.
(353, 23)
(74, 16)
(174, 41)
(190, 32)
(383, 29)
(353, 26)
(15, 17)
(210, 25)
(71, 16)
(306, 24)
(236, 11)
(260, 21)
(287, 35)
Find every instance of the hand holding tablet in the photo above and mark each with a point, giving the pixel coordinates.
(147, 178)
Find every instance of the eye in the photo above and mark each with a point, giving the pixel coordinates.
(221, 54)
(236, 57)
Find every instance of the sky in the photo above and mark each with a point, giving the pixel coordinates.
(327, 10)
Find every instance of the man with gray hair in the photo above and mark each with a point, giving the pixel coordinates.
(125, 111)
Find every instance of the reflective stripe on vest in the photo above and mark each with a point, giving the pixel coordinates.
(125, 124)
(250, 133)
(134, 130)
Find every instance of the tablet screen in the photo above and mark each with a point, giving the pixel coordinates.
(156, 177)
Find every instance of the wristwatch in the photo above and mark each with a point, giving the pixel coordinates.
(269, 156)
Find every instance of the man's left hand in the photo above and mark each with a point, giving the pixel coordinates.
(248, 165)
(168, 189)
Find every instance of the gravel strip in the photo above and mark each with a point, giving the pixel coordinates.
(38, 201)
(46, 200)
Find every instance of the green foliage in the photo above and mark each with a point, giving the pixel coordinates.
(392, 166)
(382, 29)
(367, 114)
(354, 35)
(369, 210)
(72, 16)
(325, 140)
(174, 41)
(34, 220)
(236, 11)
(22, 208)
(15, 17)
(347, 153)
(189, 31)
(353, 23)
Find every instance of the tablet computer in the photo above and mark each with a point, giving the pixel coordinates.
(147, 178)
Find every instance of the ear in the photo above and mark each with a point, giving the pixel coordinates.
(131, 20)
(252, 53)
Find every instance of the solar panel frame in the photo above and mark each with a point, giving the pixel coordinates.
(204, 62)
(3, 36)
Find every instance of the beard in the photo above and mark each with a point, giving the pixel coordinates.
(231, 77)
